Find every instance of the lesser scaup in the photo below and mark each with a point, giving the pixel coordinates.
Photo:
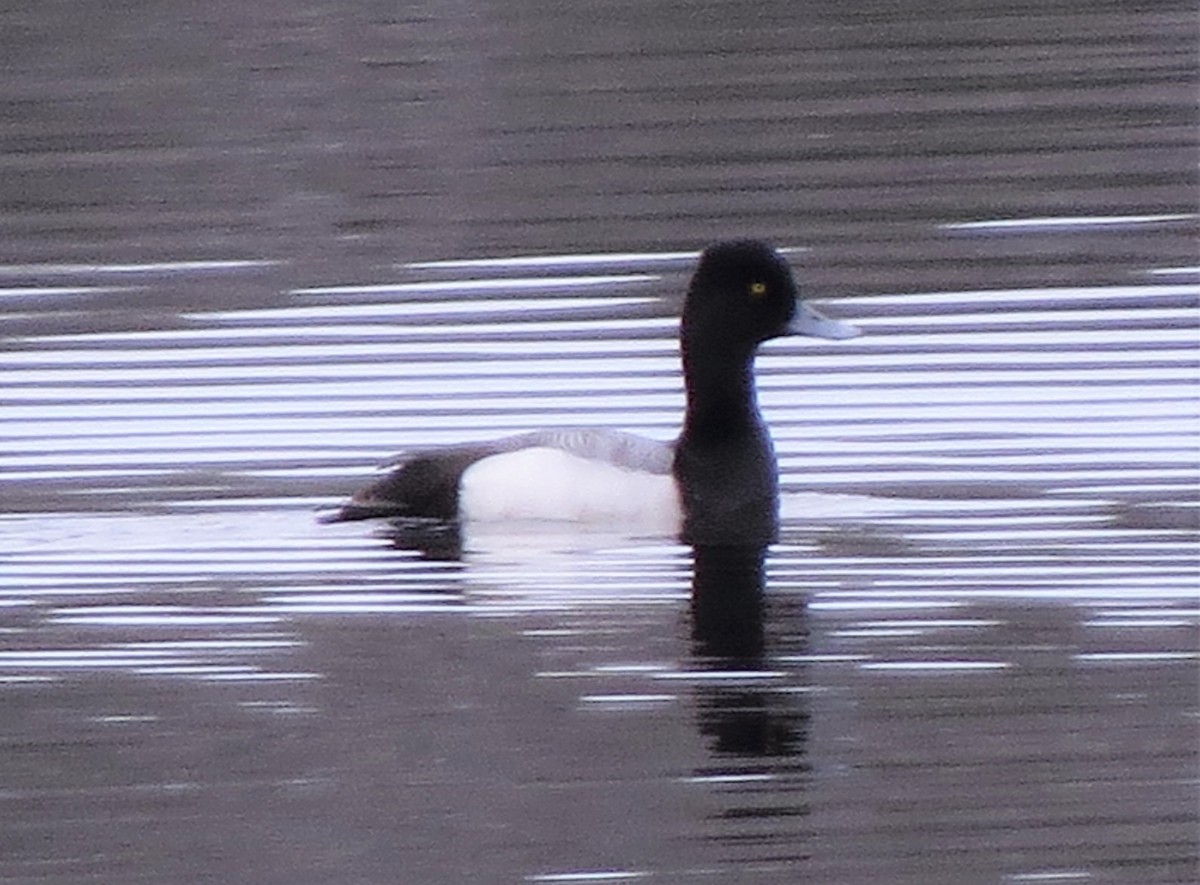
(716, 484)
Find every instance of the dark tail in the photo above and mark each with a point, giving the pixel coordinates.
(424, 486)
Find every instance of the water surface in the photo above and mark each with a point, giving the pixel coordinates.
(247, 255)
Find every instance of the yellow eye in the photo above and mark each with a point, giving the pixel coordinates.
(758, 290)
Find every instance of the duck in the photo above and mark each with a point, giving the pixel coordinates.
(716, 484)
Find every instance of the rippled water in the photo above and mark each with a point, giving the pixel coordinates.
(927, 687)
(976, 646)
(1079, 391)
(247, 259)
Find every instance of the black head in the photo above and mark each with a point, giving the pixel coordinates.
(742, 294)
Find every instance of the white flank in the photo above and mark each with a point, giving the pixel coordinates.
(552, 485)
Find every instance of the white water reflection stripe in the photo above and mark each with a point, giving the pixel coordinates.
(392, 351)
(498, 397)
(336, 430)
(1100, 341)
(506, 284)
(352, 448)
(295, 336)
(1136, 657)
(934, 666)
(625, 374)
(36, 291)
(1068, 222)
(813, 363)
(545, 261)
(440, 307)
(531, 326)
(967, 298)
(1161, 466)
(1174, 271)
(99, 568)
(155, 267)
(1154, 317)
(594, 876)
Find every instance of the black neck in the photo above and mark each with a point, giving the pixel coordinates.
(721, 400)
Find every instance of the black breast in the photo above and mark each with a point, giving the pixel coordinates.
(730, 490)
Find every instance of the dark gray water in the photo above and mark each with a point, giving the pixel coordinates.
(246, 253)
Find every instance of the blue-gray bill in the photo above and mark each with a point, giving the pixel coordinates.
(809, 321)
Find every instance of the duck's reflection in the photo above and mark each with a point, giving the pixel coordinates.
(727, 603)
(436, 540)
(744, 707)
(747, 705)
